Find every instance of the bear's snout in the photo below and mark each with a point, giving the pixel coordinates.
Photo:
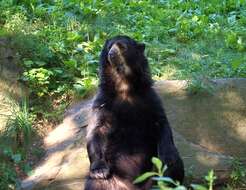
(113, 54)
(117, 59)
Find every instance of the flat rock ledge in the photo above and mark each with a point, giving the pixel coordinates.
(209, 131)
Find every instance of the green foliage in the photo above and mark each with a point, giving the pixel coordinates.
(235, 41)
(38, 78)
(200, 84)
(163, 183)
(238, 175)
(166, 183)
(14, 141)
(7, 177)
(59, 42)
(19, 126)
(11, 162)
(210, 178)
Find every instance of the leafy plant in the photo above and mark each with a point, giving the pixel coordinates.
(14, 145)
(235, 41)
(210, 180)
(163, 183)
(19, 126)
(38, 78)
(238, 174)
(7, 177)
(199, 84)
(8, 162)
(11, 162)
(166, 183)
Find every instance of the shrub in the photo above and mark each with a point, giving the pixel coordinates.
(19, 126)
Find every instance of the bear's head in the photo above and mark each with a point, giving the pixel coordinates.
(125, 54)
(123, 61)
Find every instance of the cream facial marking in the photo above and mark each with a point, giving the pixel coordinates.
(119, 70)
(117, 60)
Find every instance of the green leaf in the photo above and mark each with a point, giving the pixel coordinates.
(165, 179)
(210, 176)
(72, 63)
(73, 36)
(164, 169)
(28, 169)
(7, 151)
(180, 188)
(144, 177)
(236, 63)
(16, 158)
(198, 187)
(158, 163)
(231, 19)
(28, 63)
(40, 63)
(79, 88)
(169, 51)
(58, 71)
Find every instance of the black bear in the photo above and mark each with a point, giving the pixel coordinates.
(128, 124)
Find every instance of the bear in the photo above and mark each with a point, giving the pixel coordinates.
(128, 124)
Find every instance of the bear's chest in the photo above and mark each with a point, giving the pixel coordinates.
(132, 122)
(131, 112)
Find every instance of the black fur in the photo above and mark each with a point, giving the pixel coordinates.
(128, 126)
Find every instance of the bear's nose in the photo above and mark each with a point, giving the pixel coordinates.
(112, 54)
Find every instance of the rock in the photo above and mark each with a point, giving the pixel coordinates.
(65, 163)
(216, 122)
(209, 130)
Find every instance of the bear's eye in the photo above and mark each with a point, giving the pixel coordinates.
(109, 46)
(122, 46)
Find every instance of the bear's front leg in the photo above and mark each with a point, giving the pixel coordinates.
(99, 168)
(169, 154)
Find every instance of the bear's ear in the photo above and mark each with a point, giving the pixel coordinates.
(106, 43)
(141, 47)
